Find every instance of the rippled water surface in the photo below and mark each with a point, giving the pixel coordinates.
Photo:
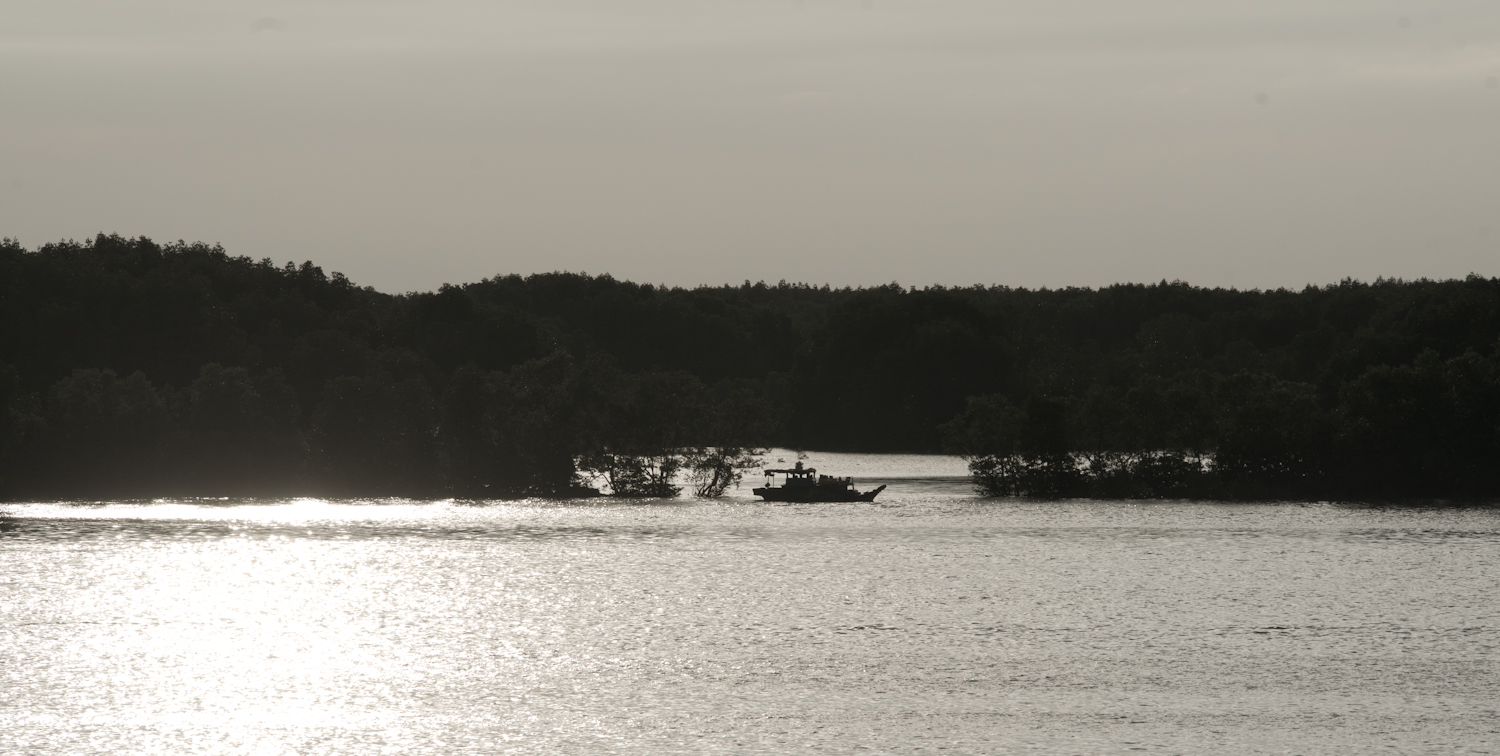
(928, 621)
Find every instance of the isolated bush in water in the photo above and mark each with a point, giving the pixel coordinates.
(712, 470)
(635, 476)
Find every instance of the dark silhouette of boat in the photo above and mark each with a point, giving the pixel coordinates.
(805, 484)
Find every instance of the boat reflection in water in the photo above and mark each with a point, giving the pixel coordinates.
(805, 484)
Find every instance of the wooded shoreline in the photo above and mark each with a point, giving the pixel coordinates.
(133, 369)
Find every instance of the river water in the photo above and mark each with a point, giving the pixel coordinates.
(929, 621)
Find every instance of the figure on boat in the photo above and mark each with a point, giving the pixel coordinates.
(805, 484)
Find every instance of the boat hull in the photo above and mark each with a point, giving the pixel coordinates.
(813, 494)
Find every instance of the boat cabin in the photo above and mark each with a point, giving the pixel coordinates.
(800, 476)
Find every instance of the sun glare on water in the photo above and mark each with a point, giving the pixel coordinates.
(238, 626)
(252, 636)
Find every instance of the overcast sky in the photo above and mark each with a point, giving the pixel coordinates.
(1247, 143)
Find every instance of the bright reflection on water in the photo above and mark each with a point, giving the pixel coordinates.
(928, 620)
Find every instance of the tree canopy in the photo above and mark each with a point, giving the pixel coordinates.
(132, 368)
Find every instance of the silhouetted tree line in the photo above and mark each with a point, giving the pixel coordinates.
(129, 368)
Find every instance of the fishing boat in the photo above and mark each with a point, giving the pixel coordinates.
(805, 484)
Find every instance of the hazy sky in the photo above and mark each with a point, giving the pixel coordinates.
(1253, 143)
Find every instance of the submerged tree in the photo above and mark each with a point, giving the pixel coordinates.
(713, 469)
(647, 423)
(735, 418)
(1014, 452)
(636, 475)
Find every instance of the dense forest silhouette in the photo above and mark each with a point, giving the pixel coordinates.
(134, 369)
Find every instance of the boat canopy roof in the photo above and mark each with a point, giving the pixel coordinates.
(798, 470)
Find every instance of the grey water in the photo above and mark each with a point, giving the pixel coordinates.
(929, 621)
